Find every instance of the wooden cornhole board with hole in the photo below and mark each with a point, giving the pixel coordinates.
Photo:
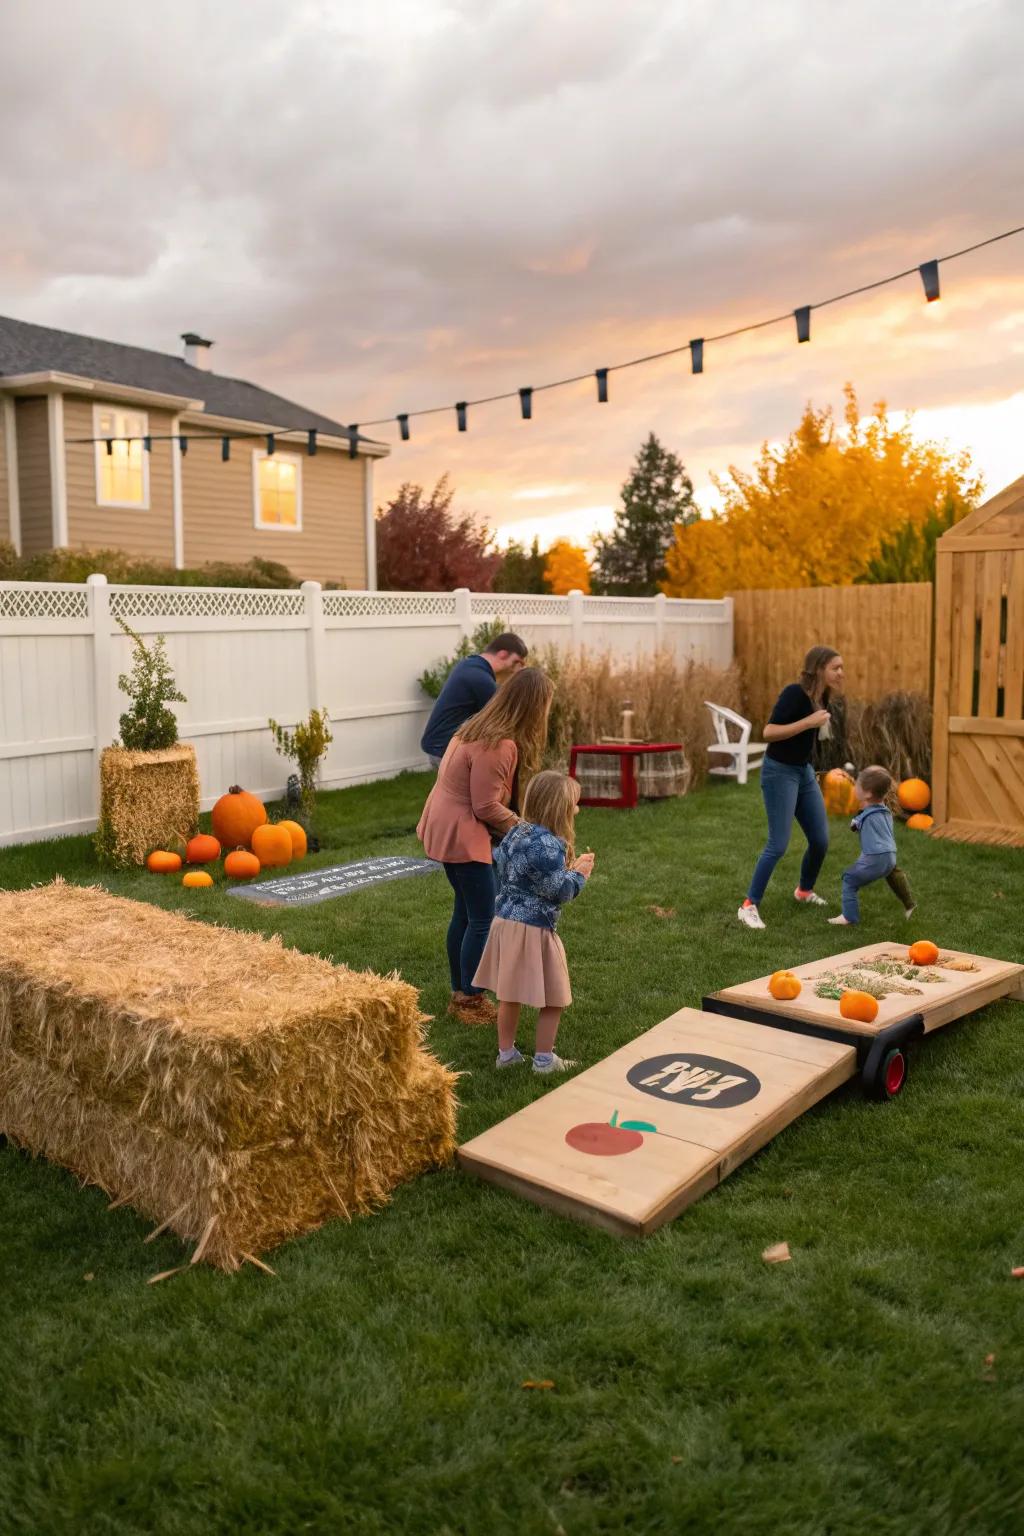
(631, 1142)
(901, 1018)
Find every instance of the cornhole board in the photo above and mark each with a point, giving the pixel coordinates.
(632, 1141)
(901, 1018)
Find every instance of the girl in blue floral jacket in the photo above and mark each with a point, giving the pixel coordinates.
(523, 962)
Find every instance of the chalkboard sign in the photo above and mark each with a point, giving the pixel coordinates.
(323, 884)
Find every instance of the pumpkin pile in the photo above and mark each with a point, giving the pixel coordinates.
(241, 826)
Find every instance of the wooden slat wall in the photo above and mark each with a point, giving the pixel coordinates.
(884, 634)
(979, 676)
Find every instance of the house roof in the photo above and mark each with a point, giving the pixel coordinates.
(27, 348)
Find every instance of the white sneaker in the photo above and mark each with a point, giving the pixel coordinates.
(750, 917)
(840, 921)
(908, 912)
(556, 1064)
(515, 1060)
(809, 898)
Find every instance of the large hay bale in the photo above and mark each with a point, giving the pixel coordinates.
(238, 1091)
(147, 800)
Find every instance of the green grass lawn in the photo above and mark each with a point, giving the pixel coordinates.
(375, 1385)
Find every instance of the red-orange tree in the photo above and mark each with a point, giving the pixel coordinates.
(423, 546)
(818, 510)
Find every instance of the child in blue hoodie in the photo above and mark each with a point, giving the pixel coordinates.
(523, 962)
(877, 847)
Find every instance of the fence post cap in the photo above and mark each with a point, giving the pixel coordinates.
(96, 580)
(310, 586)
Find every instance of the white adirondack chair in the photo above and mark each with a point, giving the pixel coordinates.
(744, 754)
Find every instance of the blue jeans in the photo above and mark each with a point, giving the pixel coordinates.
(475, 892)
(790, 792)
(869, 867)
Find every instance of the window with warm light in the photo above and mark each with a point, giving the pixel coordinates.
(122, 463)
(277, 491)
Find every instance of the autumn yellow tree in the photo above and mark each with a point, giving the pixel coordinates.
(817, 510)
(566, 568)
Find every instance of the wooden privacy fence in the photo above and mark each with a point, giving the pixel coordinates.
(884, 634)
(978, 751)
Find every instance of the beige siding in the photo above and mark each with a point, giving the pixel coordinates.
(34, 475)
(218, 510)
(5, 511)
(136, 530)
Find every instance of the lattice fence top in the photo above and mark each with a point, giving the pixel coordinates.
(385, 605)
(641, 609)
(26, 600)
(204, 603)
(508, 605)
(686, 609)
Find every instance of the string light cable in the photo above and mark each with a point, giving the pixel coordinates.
(928, 271)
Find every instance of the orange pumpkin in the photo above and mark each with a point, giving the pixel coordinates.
(236, 816)
(241, 865)
(784, 986)
(837, 788)
(920, 822)
(272, 845)
(924, 952)
(160, 862)
(860, 1006)
(298, 837)
(197, 879)
(202, 849)
(914, 795)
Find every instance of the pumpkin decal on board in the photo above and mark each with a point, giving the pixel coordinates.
(236, 816)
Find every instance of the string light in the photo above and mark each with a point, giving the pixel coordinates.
(270, 445)
(928, 272)
(225, 449)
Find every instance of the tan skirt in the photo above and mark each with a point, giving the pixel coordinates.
(523, 964)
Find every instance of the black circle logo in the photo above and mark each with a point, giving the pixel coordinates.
(705, 1081)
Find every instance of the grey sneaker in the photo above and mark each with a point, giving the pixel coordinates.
(556, 1064)
(750, 917)
(809, 898)
(513, 1061)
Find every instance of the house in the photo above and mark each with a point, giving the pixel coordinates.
(105, 446)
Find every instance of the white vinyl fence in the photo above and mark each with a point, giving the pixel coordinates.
(241, 657)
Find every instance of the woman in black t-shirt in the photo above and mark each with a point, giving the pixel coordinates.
(788, 784)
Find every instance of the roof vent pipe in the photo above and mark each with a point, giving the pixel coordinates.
(197, 350)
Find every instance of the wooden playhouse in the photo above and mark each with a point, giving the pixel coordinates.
(978, 744)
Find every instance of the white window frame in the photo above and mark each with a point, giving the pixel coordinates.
(258, 455)
(119, 412)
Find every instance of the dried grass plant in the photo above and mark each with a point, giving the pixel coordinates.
(667, 697)
(895, 731)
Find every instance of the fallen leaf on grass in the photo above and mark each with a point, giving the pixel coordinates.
(1018, 1273)
(165, 1274)
(663, 911)
(676, 1460)
(778, 1253)
(89, 1276)
(538, 1386)
(989, 1373)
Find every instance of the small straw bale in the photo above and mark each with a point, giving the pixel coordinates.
(147, 800)
(236, 1090)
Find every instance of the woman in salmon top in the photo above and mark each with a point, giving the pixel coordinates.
(469, 807)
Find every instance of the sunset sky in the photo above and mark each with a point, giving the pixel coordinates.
(381, 207)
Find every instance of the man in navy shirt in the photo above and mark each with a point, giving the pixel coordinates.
(471, 683)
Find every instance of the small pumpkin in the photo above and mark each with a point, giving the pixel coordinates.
(920, 822)
(924, 952)
(202, 849)
(914, 795)
(784, 986)
(298, 837)
(860, 1006)
(837, 788)
(236, 816)
(272, 845)
(160, 862)
(197, 879)
(241, 865)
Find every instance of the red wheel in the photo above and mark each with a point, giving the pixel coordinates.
(894, 1073)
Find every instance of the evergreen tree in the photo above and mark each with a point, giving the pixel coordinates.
(522, 569)
(908, 554)
(656, 499)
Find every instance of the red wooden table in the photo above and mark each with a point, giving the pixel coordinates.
(627, 754)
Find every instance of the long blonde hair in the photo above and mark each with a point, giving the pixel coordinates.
(518, 712)
(550, 801)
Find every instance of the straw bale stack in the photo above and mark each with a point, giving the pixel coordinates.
(235, 1090)
(147, 800)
